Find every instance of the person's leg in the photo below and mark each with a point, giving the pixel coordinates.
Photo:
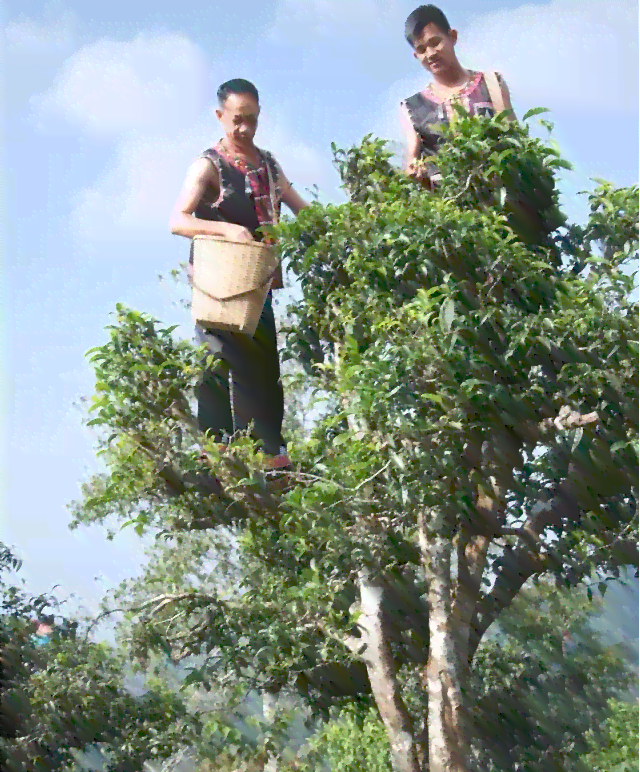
(212, 393)
(273, 392)
(258, 395)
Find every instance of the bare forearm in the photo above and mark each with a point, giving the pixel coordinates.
(187, 225)
(291, 197)
(412, 153)
(295, 210)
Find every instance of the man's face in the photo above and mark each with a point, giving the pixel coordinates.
(239, 117)
(434, 49)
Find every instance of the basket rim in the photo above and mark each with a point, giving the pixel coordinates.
(251, 244)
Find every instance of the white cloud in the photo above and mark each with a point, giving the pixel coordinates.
(549, 57)
(573, 54)
(136, 193)
(30, 36)
(303, 164)
(148, 94)
(137, 190)
(151, 83)
(326, 18)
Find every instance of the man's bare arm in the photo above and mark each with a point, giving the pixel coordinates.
(506, 98)
(201, 175)
(412, 139)
(413, 166)
(290, 195)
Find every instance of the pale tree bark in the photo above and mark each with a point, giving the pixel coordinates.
(472, 551)
(269, 705)
(378, 657)
(448, 750)
(472, 561)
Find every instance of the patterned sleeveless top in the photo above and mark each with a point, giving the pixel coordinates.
(244, 197)
(426, 110)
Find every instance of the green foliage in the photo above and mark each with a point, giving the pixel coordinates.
(18, 610)
(617, 750)
(69, 695)
(535, 700)
(447, 331)
(350, 742)
(538, 694)
(498, 163)
(79, 699)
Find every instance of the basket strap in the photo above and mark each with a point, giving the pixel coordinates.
(495, 92)
(272, 195)
(232, 402)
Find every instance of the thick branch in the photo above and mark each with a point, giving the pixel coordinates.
(514, 569)
(517, 566)
(567, 419)
(442, 676)
(382, 676)
(472, 561)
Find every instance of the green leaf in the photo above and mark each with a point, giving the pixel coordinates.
(470, 384)
(619, 446)
(340, 439)
(194, 676)
(447, 315)
(577, 438)
(533, 112)
(434, 398)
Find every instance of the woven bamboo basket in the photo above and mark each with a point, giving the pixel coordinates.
(231, 281)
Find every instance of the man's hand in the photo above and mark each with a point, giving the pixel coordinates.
(234, 232)
(417, 171)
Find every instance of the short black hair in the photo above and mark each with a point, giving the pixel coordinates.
(236, 86)
(418, 20)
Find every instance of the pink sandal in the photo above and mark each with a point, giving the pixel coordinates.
(279, 462)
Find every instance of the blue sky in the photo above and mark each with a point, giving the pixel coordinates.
(106, 104)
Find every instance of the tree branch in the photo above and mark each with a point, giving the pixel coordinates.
(373, 476)
(472, 561)
(567, 419)
(517, 566)
(355, 645)
(380, 663)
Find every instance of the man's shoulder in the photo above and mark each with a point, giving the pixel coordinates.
(205, 166)
(211, 153)
(267, 154)
(270, 159)
(416, 100)
(420, 109)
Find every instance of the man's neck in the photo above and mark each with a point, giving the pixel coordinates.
(243, 149)
(455, 76)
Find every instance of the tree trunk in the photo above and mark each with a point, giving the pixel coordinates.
(382, 676)
(269, 705)
(448, 750)
(472, 561)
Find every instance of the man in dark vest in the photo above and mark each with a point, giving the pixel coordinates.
(226, 193)
(429, 33)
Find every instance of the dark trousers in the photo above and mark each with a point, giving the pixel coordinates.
(244, 384)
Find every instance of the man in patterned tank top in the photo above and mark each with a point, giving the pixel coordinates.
(226, 193)
(429, 33)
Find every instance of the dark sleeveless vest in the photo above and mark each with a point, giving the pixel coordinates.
(235, 204)
(426, 112)
(534, 215)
